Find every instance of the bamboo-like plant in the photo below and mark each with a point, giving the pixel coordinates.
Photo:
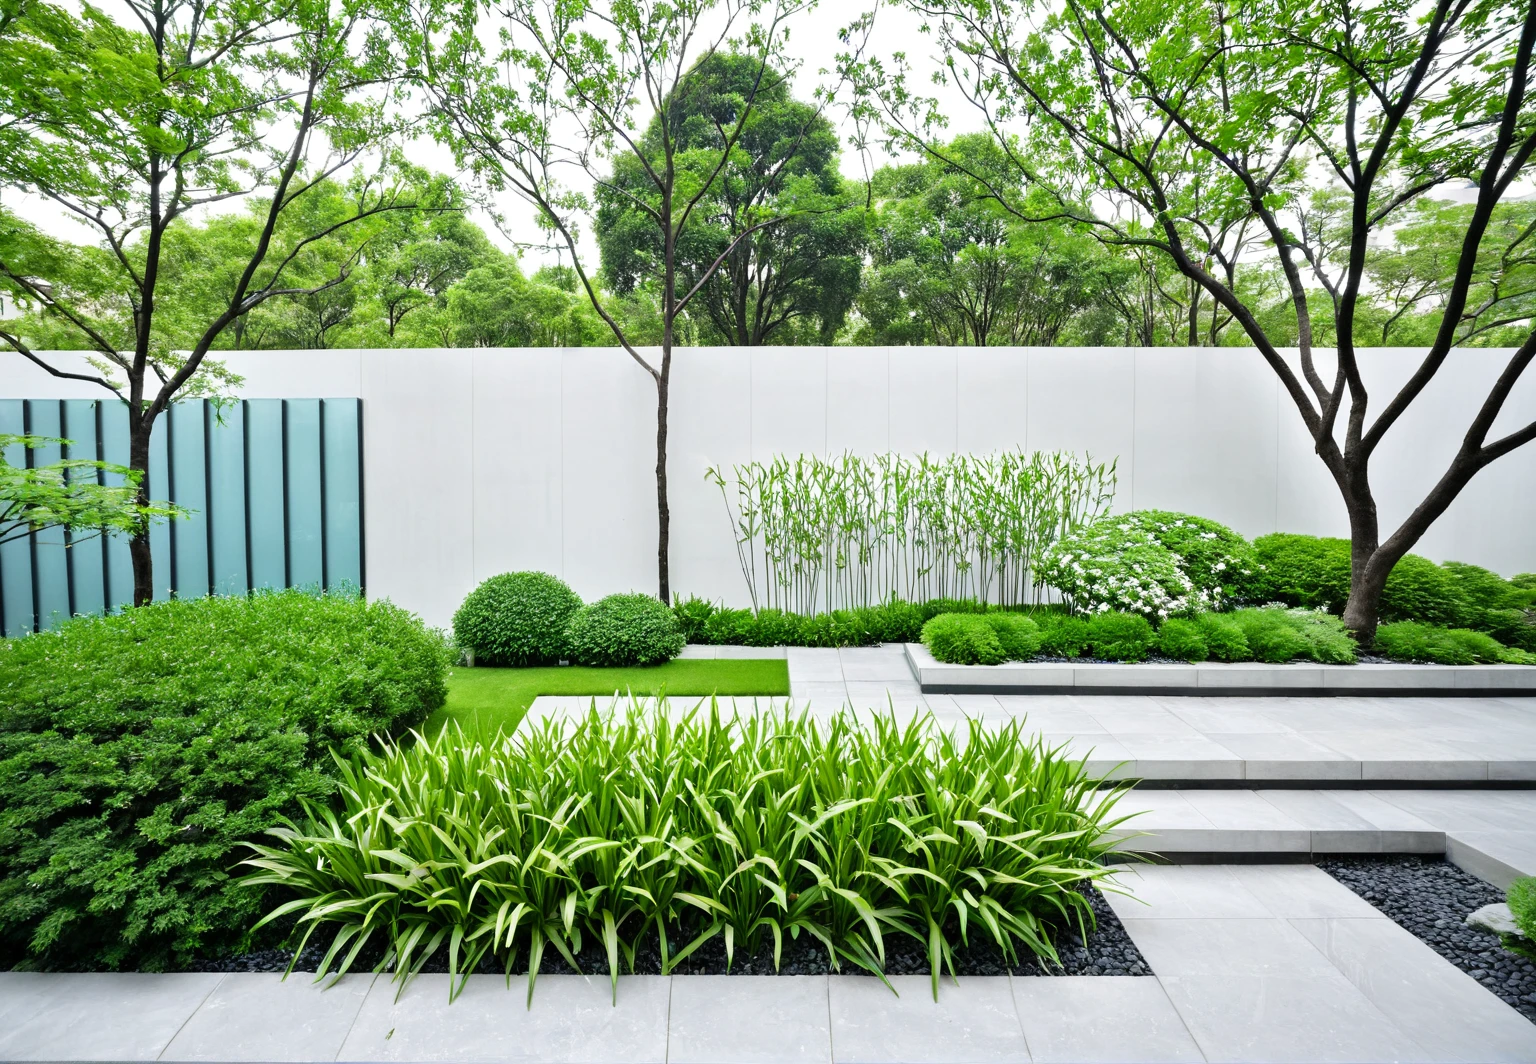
(628, 824)
(816, 534)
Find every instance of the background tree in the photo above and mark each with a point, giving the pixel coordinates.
(1198, 121)
(568, 89)
(793, 280)
(130, 128)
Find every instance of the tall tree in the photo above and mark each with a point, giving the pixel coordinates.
(129, 127)
(568, 89)
(796, 278)
(1198, 119)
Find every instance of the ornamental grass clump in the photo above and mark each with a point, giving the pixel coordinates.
(625, 828)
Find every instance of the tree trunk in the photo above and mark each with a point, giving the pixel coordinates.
(663, 511)
(138, 545)
(1367, 576)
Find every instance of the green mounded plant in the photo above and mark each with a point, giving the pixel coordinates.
(1270, 633)
(963, 639)
(623, 630)
(1182, 638)
(644, 828)
(139, 750)
(1411, 641)
(1120, 636)
(1018, 635)
(1062, 636)
(1313, 571)
(1224, 639)
(516, 619)
(1521, 898)
(890, 622)
(1327, 640)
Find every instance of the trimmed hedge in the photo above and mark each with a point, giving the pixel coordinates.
(139, 751)
(516, 619)
(623, 630)
(892, 622)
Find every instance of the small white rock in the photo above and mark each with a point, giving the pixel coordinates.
(1496, 918)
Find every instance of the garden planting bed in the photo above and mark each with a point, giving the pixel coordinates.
(1432, 898)
(1217, 678)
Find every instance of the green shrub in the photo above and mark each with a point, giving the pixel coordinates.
(1271, 634)
(1016, 634)
(1327, 640)
(1120, 636)
(1512, 627)
(516, 619)
(1151, 562)
(1313, 572)
(1522, 905)
(1524, 581)
(1063, 636)
(1482, 588)
(896, 622)
(693, 615)
(138, 751)
(922, 826)
(728, 627)
(1183, 639)
(963, 639)
(1223, 637)
(1411, 641)
(623, 630)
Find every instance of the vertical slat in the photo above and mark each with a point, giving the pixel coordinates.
(114, 449)
(87, 574)
(161, 536)
(343, 500)
(226, 499)
(189, 487)
(264, 491)
(306, 560)
(16, 556)
(50, 564)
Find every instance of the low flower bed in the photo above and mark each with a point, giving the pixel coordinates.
(629, 832)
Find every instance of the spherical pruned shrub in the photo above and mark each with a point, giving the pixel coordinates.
(963, 639)
(1223, 637)
(1062, 636)
(141, 751)
(623, 630)
(1151, 562)
(1119, 636)
(1018, 635)
(1182, 638)
(516, 619)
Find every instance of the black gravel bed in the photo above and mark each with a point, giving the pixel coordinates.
(1108, 950)
(1432, 898)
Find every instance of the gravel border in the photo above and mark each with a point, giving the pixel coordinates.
(1107, 951)
(1432, 898)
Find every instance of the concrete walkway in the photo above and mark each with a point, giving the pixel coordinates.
(1252, 963)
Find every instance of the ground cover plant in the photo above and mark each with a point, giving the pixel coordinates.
(483, 701)
(516, 619)
(138, 751)
(818, 534)
(628, 826)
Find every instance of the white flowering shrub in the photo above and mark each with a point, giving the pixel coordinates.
(1152, 562)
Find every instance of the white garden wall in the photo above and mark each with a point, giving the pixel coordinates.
(480, 461)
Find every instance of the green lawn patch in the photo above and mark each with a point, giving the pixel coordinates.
(482, 700)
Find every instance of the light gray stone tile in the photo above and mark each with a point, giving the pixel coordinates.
(1185, 892)
(236, 1022)
(1150, 676)
(1249, 674)
(1369, 676)
(1101, 1020)
(573, 1019)
(96, 1016)
(1375, 809)
(1141, 717)
(1317, 1018)
(1287, 756)
(698, 652)
(1468, 810)
(1235, 947)
(1500, 857)
(1316, 810)
(973, 1022)
(730, 653)
(1300, 890)
(813, 664)
(1240, 810)
(820, 692)
(740, 1019)
(1177, 757)
(1436, 1004)
(1218, 716)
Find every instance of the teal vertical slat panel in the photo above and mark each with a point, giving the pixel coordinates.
(266, 518)
(15, 556)
(87, 571)
(189, 488)
(114, 449)
(50, 561)
(341, 428)
(161, 544)
(226, 499)
(306, 545)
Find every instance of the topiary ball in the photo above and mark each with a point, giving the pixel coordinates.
(623, 630)
(516, 619)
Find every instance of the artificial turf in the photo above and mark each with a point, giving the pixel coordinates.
(481, 700)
